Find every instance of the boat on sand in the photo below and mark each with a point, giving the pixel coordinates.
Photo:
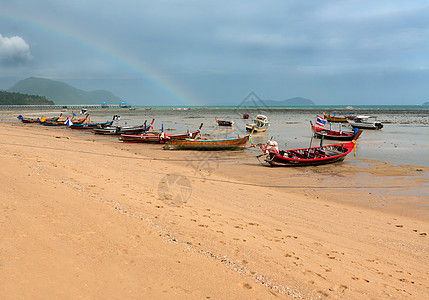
(311, 156)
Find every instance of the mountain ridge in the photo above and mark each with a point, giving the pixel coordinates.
(61, 93)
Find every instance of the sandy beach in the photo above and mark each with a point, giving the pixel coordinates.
(85, 216)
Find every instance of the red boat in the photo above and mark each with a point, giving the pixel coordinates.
(199, 144)
(312, 156)
(158, 137)
(320, 132)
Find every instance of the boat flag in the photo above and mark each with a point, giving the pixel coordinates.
(320, 121)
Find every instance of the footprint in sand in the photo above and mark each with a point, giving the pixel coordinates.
(289, 254)
(245, 286)
(339, 288)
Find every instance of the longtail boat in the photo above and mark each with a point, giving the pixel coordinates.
(90, 125)
(334, 118)
(224, 123)
(28, 120)
(114, 130)
(218, 144)
(320, 132)
(38, 120)
(79, 121)
(155, 137)
(311, 156)
(55, 122)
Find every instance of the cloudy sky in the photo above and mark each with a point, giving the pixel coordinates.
(186, 52)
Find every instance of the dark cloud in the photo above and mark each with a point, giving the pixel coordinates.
(14, 51)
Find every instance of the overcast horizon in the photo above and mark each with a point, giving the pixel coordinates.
(208, 53)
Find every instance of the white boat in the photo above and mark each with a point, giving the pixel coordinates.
(365, 122)
(260, 123)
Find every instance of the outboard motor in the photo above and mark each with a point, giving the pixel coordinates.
(271, 146)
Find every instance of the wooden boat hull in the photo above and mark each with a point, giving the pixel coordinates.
(106, 130)
(90, 125)
(336, 119)
(221, 144)
(303, 157)
(142, 138)
(53, 123)
(30, 120)
(115, 130)
(156, 138)
(224, 123)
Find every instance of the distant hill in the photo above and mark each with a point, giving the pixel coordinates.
(62, 93)
(297, 101)
(7, 98)
(426, 104)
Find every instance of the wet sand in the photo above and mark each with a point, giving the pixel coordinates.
(88, 216)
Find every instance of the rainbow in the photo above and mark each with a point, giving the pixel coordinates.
(162, 83)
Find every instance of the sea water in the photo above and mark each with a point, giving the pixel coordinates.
(404, 139)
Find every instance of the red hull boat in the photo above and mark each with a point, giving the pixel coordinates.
(312, 156)
(332, 134)
(160, 138)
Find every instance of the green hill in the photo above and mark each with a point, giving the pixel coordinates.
(7, 98)
(62, 93)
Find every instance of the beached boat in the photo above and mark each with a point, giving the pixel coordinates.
(340, 135)
(90, 125)
(334, 118)
(161, 137)
(112, 130)
(55, 122)
(365, 122)
(311, 156)
(79, 121)
(224, 123)
(260, 124)
(217, 144)
(28, 120)
(158, 138)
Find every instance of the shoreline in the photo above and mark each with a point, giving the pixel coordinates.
(262, 236)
